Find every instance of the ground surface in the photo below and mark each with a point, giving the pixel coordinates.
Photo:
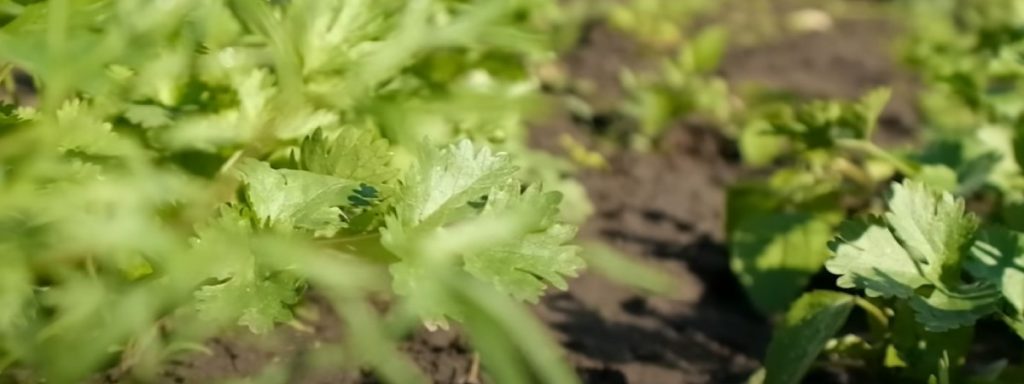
(665, 208)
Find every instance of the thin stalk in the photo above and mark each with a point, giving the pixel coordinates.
(350, 239)
(855, 173)
(877, 320)
(259, 17)
(870, 149)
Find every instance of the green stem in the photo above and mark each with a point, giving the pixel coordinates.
(258, 17)
(350, 239)
(56, 80)
(870, 149)
(853, 172)
(878, 321)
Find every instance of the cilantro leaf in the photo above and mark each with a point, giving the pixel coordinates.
(246, 292)
(915, 254)
(446, 180)
(997, 257)
(82, 130)
(942, 310)
(291, 198)
(147, 116)
(523, 267)
(774, 255)
(528, 248)
(355, 153)
(934, 229)
(919, 243)
(256, 302)
(866, 255)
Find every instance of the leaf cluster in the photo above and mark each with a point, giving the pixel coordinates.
(190, 166)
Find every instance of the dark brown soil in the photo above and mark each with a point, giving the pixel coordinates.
(664, 208)
(846, 62)
(667, 210)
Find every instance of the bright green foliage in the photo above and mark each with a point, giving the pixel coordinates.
(930, 268)
(443, 183)
(257, 303)
(883, 269)
(965, 51)
(778, 229)
(921, 351)
(996, 258)
(933, 231)
(354, 154)
(660, 23)
(444, 189)
(775, 255)
(195, 165)
(684, 87)
(295, 199)
(246, 291)
(916, 254)
(523, 268)
(819, 125)
(808, 325)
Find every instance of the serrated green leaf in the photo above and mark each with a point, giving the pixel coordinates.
(514, 243)
(291, 198)
(997, 257)
(820, 124)
(941, 311)
(446, 180)
(811, 321)
(867, 256)
(413, 280)
(81, 130)
(228, 250)
(916, 256)
(236, 80)
(524, 267)
(934, 229)
(355, 153)
(255, 91)
(776, 254)
(255, 302)
(148, 116)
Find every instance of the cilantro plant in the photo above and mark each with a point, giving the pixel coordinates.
(824, 158)
(658, 23)
(930, 271)
(684, 87)
(965, 52)
(193, 165)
